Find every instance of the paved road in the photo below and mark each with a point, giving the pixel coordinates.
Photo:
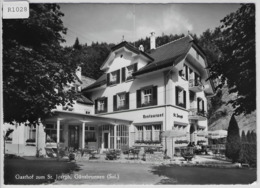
(123, 173)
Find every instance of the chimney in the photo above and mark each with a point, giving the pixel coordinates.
(78, 72)
(152, 40)
(141, 48)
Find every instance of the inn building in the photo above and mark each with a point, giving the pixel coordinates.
(154, 98)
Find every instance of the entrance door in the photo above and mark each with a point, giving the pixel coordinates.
(74, 136)
(106, 138)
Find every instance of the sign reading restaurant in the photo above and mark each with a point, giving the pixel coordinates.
(153, 115)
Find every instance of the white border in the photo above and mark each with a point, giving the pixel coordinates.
(138, 1)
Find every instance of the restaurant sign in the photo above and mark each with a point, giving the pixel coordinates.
(153, 115)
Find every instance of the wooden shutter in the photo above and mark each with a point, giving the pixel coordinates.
(127, 100)
(115, 102)
(135, 67)
(176, 95)
(184, 97)
(198, 104)
(118, 76)
(105, 99)
(108, 79)
(154, 95)
(138, 98)
(123, 74)
(186, 72)
(96, 106)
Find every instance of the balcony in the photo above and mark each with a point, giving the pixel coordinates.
(196, 85)
(195, 114)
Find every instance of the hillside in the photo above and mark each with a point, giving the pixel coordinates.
(221, 116)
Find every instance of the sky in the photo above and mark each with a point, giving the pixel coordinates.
(111, 23)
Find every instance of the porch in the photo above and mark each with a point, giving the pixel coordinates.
(78, 131)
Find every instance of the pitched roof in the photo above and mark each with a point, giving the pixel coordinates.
(84, 100)
(167, 55)
(99, 82)
(86, 81)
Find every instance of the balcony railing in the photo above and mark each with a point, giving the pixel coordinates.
(196, 85)
(194, 113)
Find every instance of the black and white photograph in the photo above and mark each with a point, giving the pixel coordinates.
(129, 93)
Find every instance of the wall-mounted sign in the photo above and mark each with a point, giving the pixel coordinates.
(153, 115)
(177, 115)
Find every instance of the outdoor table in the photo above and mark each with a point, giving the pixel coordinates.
(134, 152)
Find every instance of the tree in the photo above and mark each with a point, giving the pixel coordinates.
(35, 66)
(77, 45)
(233, 143)
(236, 64)
(243, 137)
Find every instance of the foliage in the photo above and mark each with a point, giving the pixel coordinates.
(233, 143)
(35, 66)
(243, 137)
(236, 64)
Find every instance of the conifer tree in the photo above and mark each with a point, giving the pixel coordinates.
(233, 144)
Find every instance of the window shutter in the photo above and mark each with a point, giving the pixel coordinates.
(123, 74)
(154, 95)
(176, 95)
(115, 102)
(203, 105)
(96, 106)
(198, 104)
(108, 79)
(118, 76)
(186, 72)
(184, 97)
(127, 100)
(105, 99)
(135, 67)
(138, 98)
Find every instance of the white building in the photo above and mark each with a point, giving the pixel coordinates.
(140, 99)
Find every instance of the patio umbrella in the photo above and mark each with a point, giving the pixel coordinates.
(173, 134)
(217, 134)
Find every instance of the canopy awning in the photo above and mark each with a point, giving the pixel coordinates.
(217, 134)
(173, 134)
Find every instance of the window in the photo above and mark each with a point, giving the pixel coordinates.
(180, 97)
(90, 134)
(147, 96)
(121, 101)
(139, 136)
(101, 105)
(200, 103)
(128, 71)
(32, 133)
(51, 133)
(113, 77)
(197, 80)
(148, 132)
(184, 72)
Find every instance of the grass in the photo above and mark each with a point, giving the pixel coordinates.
(25, 172)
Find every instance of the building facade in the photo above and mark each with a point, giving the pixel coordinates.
(140, 99)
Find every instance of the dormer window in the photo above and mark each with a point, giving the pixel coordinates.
(127, 72)
(113, 77)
